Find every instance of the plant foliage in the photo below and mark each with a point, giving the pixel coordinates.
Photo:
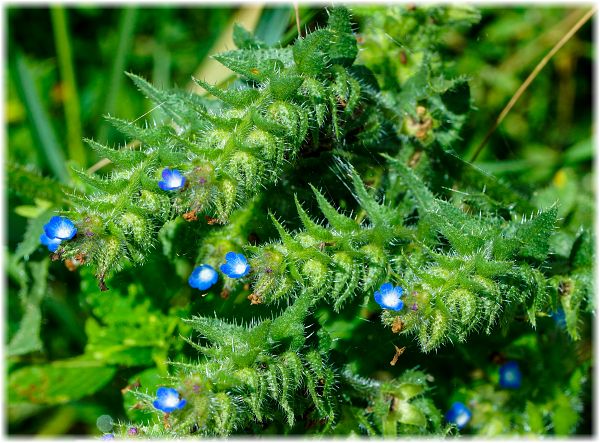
(333, 166)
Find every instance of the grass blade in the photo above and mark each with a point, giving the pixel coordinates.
(213, 72)
(273, 23)
(126, 30)
(65, 64)
(42, 130)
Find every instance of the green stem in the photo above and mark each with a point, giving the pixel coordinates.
(65, 63)
(126, 30)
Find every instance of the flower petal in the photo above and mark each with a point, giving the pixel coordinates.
(386, 287)
(60, 228)
(51, 243)
(163, 392)
(378, 297)
(226, 269)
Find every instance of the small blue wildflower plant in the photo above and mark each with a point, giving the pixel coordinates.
(236, 265)
(172, 180)
(458, 414)
(388, 297)
(311, 358)
(168, 400)
(203, 277)
(57, 230)
(510, 375)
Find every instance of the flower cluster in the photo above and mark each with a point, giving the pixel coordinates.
(204, 276)
(57, 230)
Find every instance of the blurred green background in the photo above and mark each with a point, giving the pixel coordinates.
(65, 70)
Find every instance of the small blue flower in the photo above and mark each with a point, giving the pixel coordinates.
(108, 437)
(237, 266)
(388, 297)
(60, 228)
(510, 375)
(203, 277)
(172, 180)
(168, 400)
(51, 243)
(560, 318)
(458, 414)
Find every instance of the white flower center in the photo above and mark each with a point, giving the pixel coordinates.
(174, 181)
(462, 419)
(63, 231)
(391, 299)
(239, 268)
(206, 274)
(171, 401)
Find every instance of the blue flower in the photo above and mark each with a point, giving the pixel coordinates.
(458, 414)
(168, 400)
(237, 266)
(172, 180)
(560, 318)
(203, 277)
(388, 297)
(510, 375)
(51, 243)
(59, 228)
(108, 437)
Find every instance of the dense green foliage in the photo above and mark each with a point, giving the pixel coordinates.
(335, 163)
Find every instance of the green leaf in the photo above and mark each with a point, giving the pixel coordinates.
(244, 39)
(131, 333)
(30, 185)
(335, 219)
(409, 414)
(31, 238)
(534, 235)
(564, 417)
(257, 64)
(535, 419)
(27, 338)
(58, 382)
